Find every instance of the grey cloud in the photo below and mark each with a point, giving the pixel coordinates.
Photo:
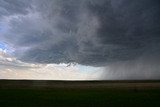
(88, 32)
(13, 7)
(63, 52)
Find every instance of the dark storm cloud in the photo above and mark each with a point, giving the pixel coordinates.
(88, 32)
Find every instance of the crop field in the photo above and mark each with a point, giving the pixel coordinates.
(41, 93)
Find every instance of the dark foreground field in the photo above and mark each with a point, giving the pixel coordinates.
(79, 94)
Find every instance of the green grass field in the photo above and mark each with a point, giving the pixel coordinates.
(79, 94)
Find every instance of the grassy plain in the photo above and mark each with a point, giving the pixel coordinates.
(16, 93)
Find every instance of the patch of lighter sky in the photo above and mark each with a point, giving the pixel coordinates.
(54, 72)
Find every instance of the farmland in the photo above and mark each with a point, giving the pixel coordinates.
(42, 93)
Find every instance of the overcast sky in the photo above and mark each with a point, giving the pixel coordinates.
(79, 39)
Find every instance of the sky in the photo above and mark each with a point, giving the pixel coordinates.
(79, 40)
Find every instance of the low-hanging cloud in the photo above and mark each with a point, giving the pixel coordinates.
(88, 32)
(11, 68)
